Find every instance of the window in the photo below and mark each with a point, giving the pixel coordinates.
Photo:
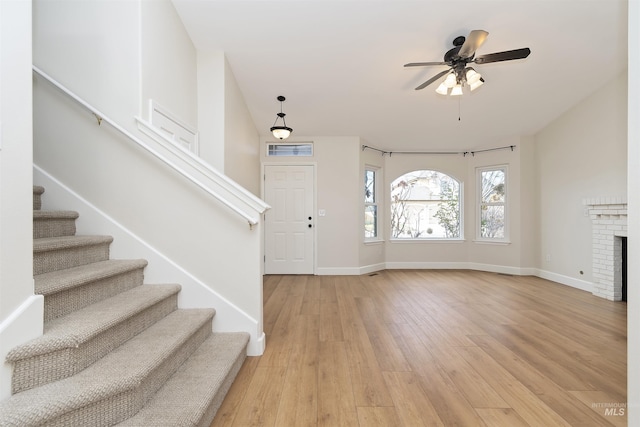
(492, 208)
(292, 150)
(425, 204)
(370, 203)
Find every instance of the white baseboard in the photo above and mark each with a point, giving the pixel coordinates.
(24, 324)
(502, 269)
(427, 265)
(338, 271)
(565, 280)
(372, 268)
(161, 269)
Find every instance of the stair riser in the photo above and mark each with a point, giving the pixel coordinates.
(109, 410)
(54, 227)
(215, 404)
(37, 198)
(54, 260)
(42, 369)
(65, 302)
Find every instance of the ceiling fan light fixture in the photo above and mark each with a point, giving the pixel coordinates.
(475, 85)
(457, 90)
(472, 76)
(281, 132)
(450, 81)
(442, 89)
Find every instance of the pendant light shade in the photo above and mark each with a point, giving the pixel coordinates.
(281, 132)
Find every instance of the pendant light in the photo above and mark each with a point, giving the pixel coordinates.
(281, 132)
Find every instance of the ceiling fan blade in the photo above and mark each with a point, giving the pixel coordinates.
(424, 64)
(507, 55)
(472, 43)
(433, 79)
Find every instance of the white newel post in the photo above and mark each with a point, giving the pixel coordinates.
(609, 223)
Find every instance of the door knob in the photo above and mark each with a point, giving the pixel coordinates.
(309, 218)
(310, 225)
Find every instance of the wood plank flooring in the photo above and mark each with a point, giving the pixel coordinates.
(432, 348)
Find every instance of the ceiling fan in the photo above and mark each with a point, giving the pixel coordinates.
(459, 57)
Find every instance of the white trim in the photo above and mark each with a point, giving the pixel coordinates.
(181, 133)
(194, 294)
(425, 265)
(372, 268)
(565, 280)
(479, 170)
(23, 324)
(438, 240)
(205, 169)
(501, 269)
(315, 204)
(171, 158)
(377, 180)
(338, 271)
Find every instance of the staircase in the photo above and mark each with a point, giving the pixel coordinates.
(114, 351)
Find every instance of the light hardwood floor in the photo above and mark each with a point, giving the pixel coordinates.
(432, 347)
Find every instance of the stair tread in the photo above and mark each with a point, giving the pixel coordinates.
(40, 214)
(80, 326)
(123, 369)
(58, 280)
(63, 242)
(185, 397)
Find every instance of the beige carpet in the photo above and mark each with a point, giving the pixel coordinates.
(114, 350)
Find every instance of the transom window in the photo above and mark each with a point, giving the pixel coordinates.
(303, 149)
(425, 204)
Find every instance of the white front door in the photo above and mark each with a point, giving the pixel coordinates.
(289, 233)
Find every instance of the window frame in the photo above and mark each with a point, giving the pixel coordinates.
(306, 149)
(480, 204)
(375, 203)
(425, 239)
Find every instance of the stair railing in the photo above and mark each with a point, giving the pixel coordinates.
(233, 188)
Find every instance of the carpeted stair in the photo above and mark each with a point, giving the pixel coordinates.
(114, 350)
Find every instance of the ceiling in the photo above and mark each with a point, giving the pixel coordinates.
(340, 64)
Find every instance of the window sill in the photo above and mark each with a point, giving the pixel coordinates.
(492, 242)
(374, 242)
(438, 241)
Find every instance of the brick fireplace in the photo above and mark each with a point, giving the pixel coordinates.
(609, 225)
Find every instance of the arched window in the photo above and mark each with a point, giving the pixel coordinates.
(425, 204)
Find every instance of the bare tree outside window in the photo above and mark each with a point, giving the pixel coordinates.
(492, 203)
(425, 204)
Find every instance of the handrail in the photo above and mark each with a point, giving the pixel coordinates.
(102, 117)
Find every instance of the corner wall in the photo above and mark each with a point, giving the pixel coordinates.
(633, 296)
(582, 154)
(21, 312)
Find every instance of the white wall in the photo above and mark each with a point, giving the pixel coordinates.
(338, 193)
(20, 311)
(211, 111)
(633, 295)
(516, 256)
(582, 154)
(167, 62)
(513, 257)
(241, 139)
(92, 47)
(137, 38)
